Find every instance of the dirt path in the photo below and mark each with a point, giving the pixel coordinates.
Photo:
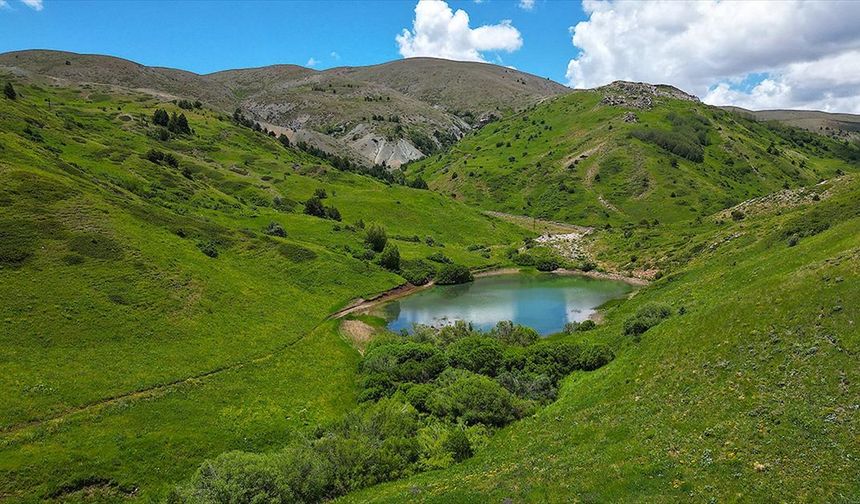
(361, 304)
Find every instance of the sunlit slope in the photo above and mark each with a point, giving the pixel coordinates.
(119, 330)
(585, 159)
(747, 392)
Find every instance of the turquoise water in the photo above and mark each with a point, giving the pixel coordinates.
(544, 302)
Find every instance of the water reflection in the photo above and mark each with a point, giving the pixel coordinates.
(544, 302)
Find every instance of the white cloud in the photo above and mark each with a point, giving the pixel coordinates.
(33, 4)
(527, 4)
(439, 32)
(3, 4)
(312, 62)
(334, 55)
(809, 51)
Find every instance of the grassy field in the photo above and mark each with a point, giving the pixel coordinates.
(127, 355)
(747, 393)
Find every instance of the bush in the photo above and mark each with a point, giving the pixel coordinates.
(320, 193)
(473, 399)
(417, 271)
(514, 334)
(314, 206)
(547, 264)
(332, 213)
(402, 362)
(458, 444)
(390, 258)
(646, 317)
(478, 354)
(528, 385)
(453, 274)
(375, 237)
(9, 91)
(595, 356)
(275, 229)
(210, 248)
(439, 257)
(585, 325)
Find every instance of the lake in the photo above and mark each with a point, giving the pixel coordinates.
(545, 302)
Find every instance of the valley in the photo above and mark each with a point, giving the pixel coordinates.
(179, 287)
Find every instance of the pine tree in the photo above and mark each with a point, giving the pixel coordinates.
(9, 91)
(160, 117)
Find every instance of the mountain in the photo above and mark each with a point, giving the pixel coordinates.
(826, 123)
(390, 113)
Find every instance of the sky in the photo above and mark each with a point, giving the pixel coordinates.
(754, 54)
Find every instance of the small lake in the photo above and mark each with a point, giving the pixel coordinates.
(544, 302)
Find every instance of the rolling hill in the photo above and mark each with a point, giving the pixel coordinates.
(627, 152)
(375, 114)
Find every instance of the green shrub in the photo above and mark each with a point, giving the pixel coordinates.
(458, 444)
(209, 248)
(375, 237)
(514, 334)
(585, 325)
(403, 362)
(478, 354)
(9, 91)
(646, 317)
(314, 206)
(417, 271)
(296, 253)
(390, 258)
(439, 257)
(275, 229)
(595, 356)
(474, 399)
(528, 385)
(453, 274)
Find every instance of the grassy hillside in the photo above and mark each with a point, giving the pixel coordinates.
(372, 114)
(579, 159)
(148, 320)
(746, 393)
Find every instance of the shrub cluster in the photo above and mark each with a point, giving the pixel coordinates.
(449, 274)
(646, 317)
(314, 206)
(429, 400)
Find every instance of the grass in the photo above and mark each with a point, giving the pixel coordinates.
(745, 396)
(127, 356)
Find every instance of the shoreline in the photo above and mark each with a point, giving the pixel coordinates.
(406, 289)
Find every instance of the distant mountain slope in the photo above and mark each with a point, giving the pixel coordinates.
(627, 152)
(836, 125)
(389, 113)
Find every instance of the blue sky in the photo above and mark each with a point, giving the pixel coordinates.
(209, 36)
(758, 54)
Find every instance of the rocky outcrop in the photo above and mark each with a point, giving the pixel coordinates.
(640, 95)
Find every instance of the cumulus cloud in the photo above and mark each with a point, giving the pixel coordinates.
(439, 32)
(4, 4)
(33, 4)
(312, 62)
(527, 4)
(334, 55)
(808, 52)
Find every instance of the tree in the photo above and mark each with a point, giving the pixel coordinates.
(390, 258)
(375, 237)
(314, 206)
(9, 91)
(160, 117)
(453, 274)
(179, 124)
(284, 140)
